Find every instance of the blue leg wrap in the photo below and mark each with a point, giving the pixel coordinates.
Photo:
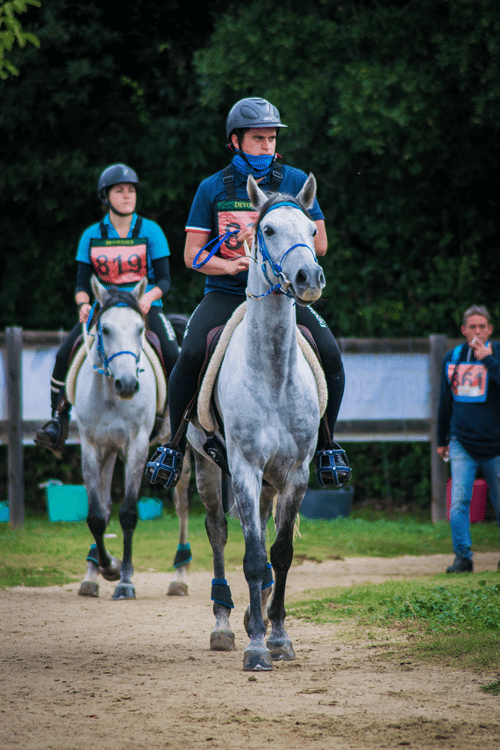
(268, 576)
(92, 556)
(221, 593)
(183, 555)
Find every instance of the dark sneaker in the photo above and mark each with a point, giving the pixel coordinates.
(165, 466)
(460, 565)
(332, 466)
(54, 434)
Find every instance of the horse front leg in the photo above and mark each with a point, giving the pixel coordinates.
(208, 480)
(179, 587)
(135, 460)
(97, 473)
(246, 484)
(278, 642)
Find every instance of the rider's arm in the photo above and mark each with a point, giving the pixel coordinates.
(216, 266)
(320, 240)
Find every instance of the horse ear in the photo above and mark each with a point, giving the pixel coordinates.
(256, 195)
(100, 292)
(140, 288)
(308, 192)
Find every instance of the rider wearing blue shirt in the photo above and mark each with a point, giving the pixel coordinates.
(221, 206)
(120, 250)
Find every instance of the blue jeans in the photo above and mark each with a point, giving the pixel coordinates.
(463, 472)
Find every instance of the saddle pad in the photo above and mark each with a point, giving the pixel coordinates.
(161, 384)
(205, 416)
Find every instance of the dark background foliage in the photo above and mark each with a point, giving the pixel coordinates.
(394, 106)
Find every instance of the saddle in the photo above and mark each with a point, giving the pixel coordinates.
(217, 344)
(151, 349)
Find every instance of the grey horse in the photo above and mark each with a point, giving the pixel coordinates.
(268, 398)
(115, 406)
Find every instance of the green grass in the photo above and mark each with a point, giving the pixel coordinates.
(451, 620)
(48, 554)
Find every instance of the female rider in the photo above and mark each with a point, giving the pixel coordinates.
(221, 202)
(120, 250)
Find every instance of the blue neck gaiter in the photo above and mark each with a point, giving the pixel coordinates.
(258, 166)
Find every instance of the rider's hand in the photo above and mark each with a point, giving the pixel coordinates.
(84, 312)
(238, 264)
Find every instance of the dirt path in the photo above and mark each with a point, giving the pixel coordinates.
(81, 674)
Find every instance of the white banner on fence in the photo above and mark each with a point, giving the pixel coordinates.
(378, 386)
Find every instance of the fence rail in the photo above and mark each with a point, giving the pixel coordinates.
(362, 357)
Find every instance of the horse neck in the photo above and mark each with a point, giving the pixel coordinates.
(271, 336)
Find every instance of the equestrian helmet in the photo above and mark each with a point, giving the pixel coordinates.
(112, 176)
(252, 112)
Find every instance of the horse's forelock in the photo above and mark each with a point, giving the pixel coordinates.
(280, 198)
(119, 297)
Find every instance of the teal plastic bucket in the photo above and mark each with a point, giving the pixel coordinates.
(149, 508)
(67, 502)
(4, 512)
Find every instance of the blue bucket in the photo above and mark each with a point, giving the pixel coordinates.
(67, 502)
(149, 508)
(327, 504)
(4, 512)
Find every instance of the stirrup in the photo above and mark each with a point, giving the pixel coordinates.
(166, 465)
(54, 440)
(332, 466)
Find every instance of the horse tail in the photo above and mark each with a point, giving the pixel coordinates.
(296, 525)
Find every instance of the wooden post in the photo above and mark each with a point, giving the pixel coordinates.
(15, 429)
(438, 348)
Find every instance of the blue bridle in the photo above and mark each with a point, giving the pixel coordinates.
(261, 244)
(277, 267)
(100, 345)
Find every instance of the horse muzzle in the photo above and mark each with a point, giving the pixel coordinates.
(308, 285)
(126, 388)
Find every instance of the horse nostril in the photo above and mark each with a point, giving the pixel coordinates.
(118, 385)
(301, 279)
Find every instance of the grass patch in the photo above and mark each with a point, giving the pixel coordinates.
(453, 621)
(62, 547)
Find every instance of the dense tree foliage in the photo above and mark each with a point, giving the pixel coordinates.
(394, 107)
(11, 33)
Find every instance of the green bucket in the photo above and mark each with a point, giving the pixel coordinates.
(67, 502)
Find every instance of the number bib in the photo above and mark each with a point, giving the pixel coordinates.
(119, 261)
(469, 382)
(233, 215)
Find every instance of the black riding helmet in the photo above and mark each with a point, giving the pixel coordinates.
(112, 176)
(252, 112)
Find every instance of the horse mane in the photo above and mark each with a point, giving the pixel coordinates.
(279, 198)
(116, 297)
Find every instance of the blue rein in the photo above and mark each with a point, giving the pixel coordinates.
(100, 346)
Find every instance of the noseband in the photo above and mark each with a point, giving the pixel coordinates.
(100, 342)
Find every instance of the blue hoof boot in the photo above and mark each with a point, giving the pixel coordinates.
(332, 466)
(165, 466)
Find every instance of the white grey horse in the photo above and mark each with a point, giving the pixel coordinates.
(115, 406)
(268, 399)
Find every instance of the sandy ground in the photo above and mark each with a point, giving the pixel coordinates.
(80, 674)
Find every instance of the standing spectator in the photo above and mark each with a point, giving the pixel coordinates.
(468, 429)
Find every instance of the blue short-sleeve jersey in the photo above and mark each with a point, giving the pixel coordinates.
(150, 232)
(203, 215)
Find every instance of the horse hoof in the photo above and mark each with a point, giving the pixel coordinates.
(246, 620)
(281, 650)
(112, 572)
(177, 588)
(221, 640)
(257, 660)
(124, 591)
(89, 588)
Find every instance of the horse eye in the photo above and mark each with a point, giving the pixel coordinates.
(105, 331)
(269, 231)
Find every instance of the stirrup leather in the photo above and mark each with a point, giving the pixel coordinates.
(332, 466)
(165, 466)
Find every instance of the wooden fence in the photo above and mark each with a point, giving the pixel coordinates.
(15, 431)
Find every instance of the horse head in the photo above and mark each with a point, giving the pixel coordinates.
(120, 329)
(285, 239)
